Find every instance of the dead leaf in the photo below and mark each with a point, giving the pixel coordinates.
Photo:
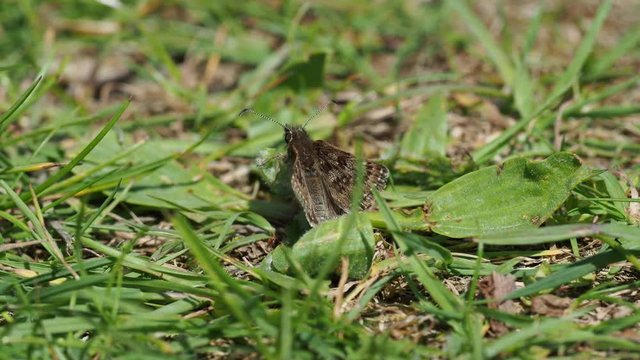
(550, 305)
(466, 100)
(496, 287)
(630, 334)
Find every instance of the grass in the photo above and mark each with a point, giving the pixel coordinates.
(135, 221)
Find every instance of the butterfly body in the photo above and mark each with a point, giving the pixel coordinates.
(324, 177)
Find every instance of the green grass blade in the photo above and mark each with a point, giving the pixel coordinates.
(564, 83)
(624, 46)
(441, 295)
(569, 273)
(532, 34)
(38, 231)
(523, 337)
(558, 233)
(523, 93)
(84, 152)
(428, 134)
(13, 110)
(495, 53)
(230, 292)
(571, 75)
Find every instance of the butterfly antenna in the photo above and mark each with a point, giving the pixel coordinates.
(261, 115)
(318, 112)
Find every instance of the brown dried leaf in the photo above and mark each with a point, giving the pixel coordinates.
(630, 334)
(550, 305)
(466, 100)
(496, 287)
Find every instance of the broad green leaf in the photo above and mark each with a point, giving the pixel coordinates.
(517, 194)
(306, 74)
(428, 134)
(321, 243)
(422, 149)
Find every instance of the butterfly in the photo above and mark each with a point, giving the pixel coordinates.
(324, 177)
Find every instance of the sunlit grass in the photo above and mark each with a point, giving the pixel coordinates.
(134, 221)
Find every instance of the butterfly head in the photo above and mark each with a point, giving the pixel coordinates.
(293, 134)
(299, 144)
(297, 139)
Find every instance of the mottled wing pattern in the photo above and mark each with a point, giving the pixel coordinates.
(312, 194)
(376, 177)
(338, 170)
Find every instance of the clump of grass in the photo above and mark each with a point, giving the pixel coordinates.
(133, 222)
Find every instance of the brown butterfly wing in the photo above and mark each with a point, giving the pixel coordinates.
(338, 171)
(312, 194)
(376, 177)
